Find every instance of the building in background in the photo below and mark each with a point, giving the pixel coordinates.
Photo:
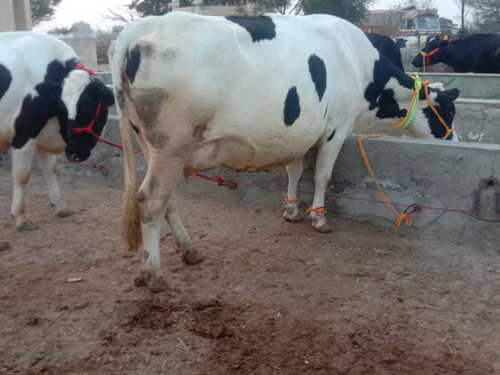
(15, 15)
(409, 21)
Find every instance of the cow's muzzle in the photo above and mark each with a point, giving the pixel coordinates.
(75, 157)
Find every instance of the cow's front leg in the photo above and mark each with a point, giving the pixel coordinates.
(327, 155)
(47, 164)
(182, 239)
(22, 160)
(291, 202)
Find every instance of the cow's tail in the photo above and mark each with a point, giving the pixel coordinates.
(132, 215)
(132, 231)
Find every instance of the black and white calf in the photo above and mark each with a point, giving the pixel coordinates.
(44, 96)
(247, 93)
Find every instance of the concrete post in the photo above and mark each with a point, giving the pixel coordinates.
(7, 20)
(22, 14)
(15, 15)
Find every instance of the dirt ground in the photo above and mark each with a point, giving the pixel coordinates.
(271, 298)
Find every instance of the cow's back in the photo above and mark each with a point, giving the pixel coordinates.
(272, 82)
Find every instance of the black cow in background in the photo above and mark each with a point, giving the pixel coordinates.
(476, 53)
(387, 48)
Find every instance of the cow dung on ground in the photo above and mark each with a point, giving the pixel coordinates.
(271, 297)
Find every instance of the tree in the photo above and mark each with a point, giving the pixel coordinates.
(487, 15)
(462, 4)
(42, 10)
(351, 10)
(151, 7)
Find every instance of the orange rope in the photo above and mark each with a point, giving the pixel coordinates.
(436, 113)
(400, 217)
(317, 210)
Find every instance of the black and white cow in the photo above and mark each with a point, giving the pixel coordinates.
(44, 95)
(476, 53)
(247, 93)
(388, 48)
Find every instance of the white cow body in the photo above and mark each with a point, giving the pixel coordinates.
(40, 87)
(27, 56)
(207, 91)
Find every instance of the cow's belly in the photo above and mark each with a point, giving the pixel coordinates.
(50, 139)
(257, 150)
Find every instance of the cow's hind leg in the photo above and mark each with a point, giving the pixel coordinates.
(291, 202)
(164, 170)
(182, 239)
(47, 164)
(328, 152)
(22, 160)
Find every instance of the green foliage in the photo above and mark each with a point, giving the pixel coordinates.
(486, 15)
(42, 10)
(151, 7)
(351, 10)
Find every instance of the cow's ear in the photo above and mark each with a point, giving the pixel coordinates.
(452, 94)
(104, 93)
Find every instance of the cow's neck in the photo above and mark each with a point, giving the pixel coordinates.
(389, 95)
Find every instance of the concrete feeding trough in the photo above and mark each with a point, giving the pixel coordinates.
(456, 183)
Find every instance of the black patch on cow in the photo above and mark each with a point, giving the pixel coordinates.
(387, 48)
(326, 111)
(133, 63)
(259, 27)
(317, 69)
(331, 135)
(292, 107)
(36, 111)
(94, 93)
(388, 106)
(5, 80)
(134, 128)
(380, 97)
(57, 71)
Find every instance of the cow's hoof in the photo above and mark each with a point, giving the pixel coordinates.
(192, 257)
(128, 254)
(26, 227)
(321, 225)
(65, 213)
(158, 285)
(292, 215)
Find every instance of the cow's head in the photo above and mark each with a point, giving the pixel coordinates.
(432, 53)
(437, 108)
(86, 100)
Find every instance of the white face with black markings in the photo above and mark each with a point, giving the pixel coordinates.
(87, 100)
(73, 87)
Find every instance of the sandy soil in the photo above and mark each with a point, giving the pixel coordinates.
(271, 298)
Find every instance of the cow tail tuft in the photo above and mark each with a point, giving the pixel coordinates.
(132, 230)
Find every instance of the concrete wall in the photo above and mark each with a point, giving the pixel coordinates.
(436, 174)
(83, 41)
(22, 14)
(472, 86)
(7, 19)
(476, 121)
(15, 15)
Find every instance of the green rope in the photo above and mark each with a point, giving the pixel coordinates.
(412, 111)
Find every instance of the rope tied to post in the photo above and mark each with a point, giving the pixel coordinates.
(400, 216)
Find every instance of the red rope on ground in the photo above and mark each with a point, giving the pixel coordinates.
(222, 181)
